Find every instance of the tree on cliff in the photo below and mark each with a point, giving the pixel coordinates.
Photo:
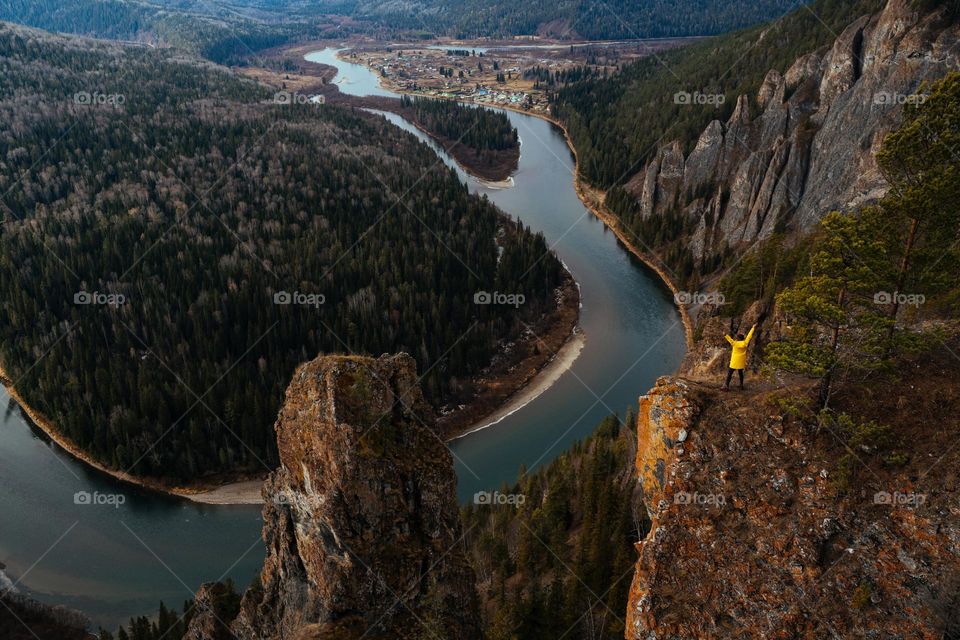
(921, 162)
(866, 267)
(831, 312)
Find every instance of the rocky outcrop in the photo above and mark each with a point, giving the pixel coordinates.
(750, 537)
(361, 522)
(811, 148)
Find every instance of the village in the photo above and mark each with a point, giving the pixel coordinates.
(506, 78)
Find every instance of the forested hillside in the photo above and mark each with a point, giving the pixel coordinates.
(618, 122)
(175, 243)
(227, 35)
(618, 19)
(105, 18)
(252, 24)
(559, 564)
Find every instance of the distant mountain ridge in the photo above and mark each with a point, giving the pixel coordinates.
(256, 24)
(616, 19)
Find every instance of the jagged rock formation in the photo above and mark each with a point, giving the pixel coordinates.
(361, 521)
(751, 539)
(811, 148)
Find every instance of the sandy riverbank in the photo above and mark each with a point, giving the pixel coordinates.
(232, 493)
(247, 492)
(548, 375)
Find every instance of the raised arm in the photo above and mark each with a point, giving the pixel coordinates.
(749, 335)
(730, 340)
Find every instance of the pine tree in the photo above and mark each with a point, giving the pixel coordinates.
(836, 301)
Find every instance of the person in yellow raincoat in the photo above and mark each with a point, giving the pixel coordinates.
(738, 356)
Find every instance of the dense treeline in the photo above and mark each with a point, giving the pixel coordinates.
(476, 127)
(560, 564)
(218, 33)
(174, 244)
(230, 34)
(617, 19)
(551, 79)
(616, 123)
(23, 618)
(104, 18)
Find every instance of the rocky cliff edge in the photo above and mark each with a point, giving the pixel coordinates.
(756, 534)
(361, 522)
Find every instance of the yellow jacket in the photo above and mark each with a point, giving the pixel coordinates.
(738, 358)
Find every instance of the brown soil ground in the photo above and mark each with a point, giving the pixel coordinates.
(812, 543)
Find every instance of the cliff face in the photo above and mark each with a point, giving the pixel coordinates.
(361, 522)
(811, 148)
(750, 537)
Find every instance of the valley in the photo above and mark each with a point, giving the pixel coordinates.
(428, 311)
(631, 324)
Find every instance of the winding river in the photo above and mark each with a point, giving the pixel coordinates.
(116, 560)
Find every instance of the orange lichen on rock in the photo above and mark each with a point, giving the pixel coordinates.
(750, 537)
(361, 522)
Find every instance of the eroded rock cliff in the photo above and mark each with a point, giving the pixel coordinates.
(753, 535)
(361, 523)
(806, 145)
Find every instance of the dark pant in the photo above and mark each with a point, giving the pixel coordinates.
(730, 375)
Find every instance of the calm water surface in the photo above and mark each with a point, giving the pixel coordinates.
(113, 561)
